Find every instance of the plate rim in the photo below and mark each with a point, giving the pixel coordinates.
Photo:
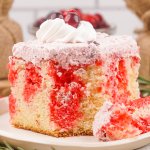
(72, 144)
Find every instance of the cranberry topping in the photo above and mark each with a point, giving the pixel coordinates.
(72, 19)
(118, 82)
(74, 10)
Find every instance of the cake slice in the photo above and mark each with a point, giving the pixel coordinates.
(141, 113)
(58, 86)
(119, 121)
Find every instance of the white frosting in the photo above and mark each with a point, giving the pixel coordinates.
(102, 117)
(58, 31)
(77, 53)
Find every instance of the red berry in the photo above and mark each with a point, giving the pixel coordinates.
(103, 24)
(65, 13)
(55, 15)
(78, 10)
(72, 19)
(93, 21)
(97, 22)
(39, 22)
(99, 16)
(72, 10)
(100, 23)
(84, 17)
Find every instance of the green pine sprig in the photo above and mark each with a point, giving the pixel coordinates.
(144, 86)
(5, 146)
(143, 81)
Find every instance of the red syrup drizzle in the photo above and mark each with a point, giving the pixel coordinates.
(123, 81)
(118, 83)
(66, 96)
(12, 105)
(12, 76)
(33, 81)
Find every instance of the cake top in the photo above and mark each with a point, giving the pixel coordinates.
(74, 48)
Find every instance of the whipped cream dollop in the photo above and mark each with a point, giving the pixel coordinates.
(58, 31)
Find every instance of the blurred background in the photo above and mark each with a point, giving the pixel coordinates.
(115, 12)
(20, 19)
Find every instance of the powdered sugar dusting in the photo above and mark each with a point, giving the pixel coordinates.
(77, 53)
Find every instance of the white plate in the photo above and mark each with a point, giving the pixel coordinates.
(32, 141)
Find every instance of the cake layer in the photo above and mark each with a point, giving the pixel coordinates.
(51, 99)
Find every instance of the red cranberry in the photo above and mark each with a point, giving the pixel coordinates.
(65, 13)
(84, 17)
(72, 10)
(92, 20)
(39, 22)
(72, 19)
(99, 16)
(97, 22)
(55, 15)
(101, 22)
(79, 12)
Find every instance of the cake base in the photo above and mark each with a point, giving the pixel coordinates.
(57, 133)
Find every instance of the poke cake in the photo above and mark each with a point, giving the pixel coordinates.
(60, 80)
(122, 120)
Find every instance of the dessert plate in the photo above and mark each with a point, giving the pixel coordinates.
(31, 141)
